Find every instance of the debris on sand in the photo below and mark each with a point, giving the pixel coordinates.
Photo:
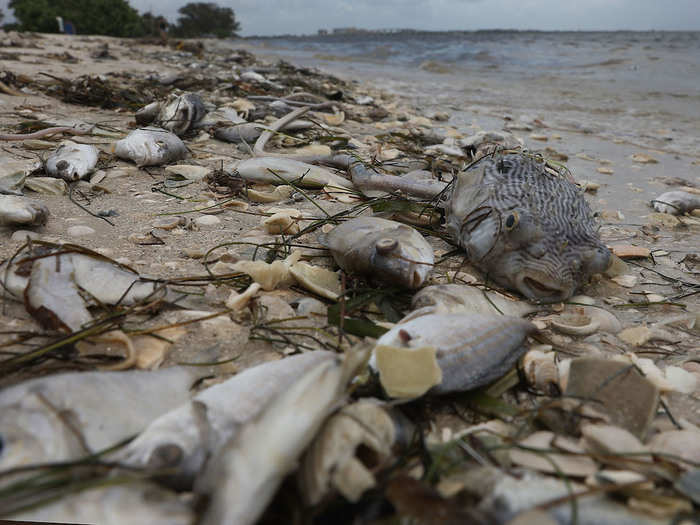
(343, 305)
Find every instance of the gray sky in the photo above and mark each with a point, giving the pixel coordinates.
(270, 17)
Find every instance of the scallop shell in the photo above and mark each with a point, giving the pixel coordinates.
(470, 350)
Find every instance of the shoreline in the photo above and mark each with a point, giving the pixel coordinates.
(187, 230)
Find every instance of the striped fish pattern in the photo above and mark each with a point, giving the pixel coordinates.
(528, 229)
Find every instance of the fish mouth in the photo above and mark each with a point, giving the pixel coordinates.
(541, 290)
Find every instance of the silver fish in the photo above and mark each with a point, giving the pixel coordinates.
(66, 416)
(15, 209)
(137, 503)
(676, 202)
(184, 438)
(461, 298)
(150, 147)
(245, 475)
(528, 229)
(50, 285)
(471, 350)
(274, 170)
(72, 161)
(381, 249)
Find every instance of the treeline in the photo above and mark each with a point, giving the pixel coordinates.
(118, 18)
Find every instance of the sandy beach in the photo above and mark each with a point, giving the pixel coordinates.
(624, 139)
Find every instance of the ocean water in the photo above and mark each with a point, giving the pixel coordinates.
(604, 95)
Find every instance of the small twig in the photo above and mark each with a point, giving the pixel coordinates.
(70, 197)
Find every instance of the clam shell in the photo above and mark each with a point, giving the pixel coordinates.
(682, 443)
(471, 350)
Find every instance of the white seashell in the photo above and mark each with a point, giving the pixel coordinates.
(318, 280)
(541, 370)
(283, 221)
(470, 350)
(72, 161)
(272, 170)
(15, 209)
(682, 443)
(188, 171)
(332, 462)
(586, 320)
(568, 464)
(272, 275)
(610, 440)
(336, 119)
(237, 301)
(279, 193)
(150, 147)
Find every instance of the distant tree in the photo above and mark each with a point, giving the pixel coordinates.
(2, 15)
(205, 18)
(96, 17)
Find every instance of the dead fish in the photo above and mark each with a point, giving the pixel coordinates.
(247, 132)
(676, 202)
(67, 416)
(244, 476)
(381, 249)
(528, 229)
(15, 209)
(50, 285)
(448, 352)
(184, 438)
(178, 114)
(150, 147)
(135, 503)
(274, 170)
(460, 298)
(72, 161)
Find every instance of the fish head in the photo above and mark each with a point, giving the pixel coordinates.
(395, 261)
(67, 171)
(542, 265)
(31, 433)
(180, 113)
(527, 228)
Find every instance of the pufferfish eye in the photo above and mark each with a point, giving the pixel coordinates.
(512, 220)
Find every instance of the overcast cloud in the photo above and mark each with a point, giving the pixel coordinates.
(271, 17)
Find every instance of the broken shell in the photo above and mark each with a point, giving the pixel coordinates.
(317, 280)
(190, 172)
(541, 370)
(237, 301)
(470, 350)
(548, 461)
(279, 193)
(47, 185)
(336, 119)
(270, 276)
(407, 372)
(610, 440)
(682, 443)
(283, 221)
(339, 456)
(586, 320)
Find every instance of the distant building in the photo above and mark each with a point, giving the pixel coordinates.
(322, 32)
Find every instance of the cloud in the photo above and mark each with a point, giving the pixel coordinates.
(269, 17)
